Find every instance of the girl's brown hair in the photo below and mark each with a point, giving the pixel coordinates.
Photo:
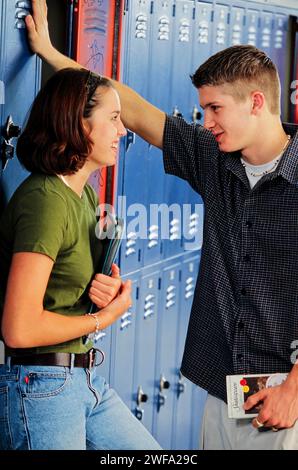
(55, 140)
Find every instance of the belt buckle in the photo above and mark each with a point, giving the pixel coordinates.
(91, 355)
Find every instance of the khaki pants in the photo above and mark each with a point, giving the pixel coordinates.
(223, 433)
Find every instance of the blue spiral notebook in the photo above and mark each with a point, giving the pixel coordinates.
(111, 237)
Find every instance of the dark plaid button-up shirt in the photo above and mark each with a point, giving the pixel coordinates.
(244, 316)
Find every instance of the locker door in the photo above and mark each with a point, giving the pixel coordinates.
(176, 190)
(236, 35)
(202, 45)
(166, 356)
(158, 70)
(198, 404)
(19, 83)
(93, 48)
(145, 349)
(134, 182)
(182, 437)
(281, 58)
(123, 348)
(251, 34)
(182, 57)
(220, 28)
(266, 33)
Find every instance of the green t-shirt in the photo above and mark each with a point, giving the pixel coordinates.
(46, 216)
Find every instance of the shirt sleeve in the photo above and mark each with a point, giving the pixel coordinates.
(189, 151)
(40, 223)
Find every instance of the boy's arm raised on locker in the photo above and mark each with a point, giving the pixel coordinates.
(137, 114)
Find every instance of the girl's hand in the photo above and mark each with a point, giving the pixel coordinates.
(105, 288)
(117, 307)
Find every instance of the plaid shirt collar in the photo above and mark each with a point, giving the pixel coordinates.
(288, 167)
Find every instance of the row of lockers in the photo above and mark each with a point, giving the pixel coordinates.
(163, 43)
(144, 350)
(158, 45)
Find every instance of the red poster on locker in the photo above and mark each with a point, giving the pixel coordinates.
(97, 33)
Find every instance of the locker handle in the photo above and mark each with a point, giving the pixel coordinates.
(130, 139)
(181, 387)
(176, 112)
(161, 400)
(141, 396)
(164, 384)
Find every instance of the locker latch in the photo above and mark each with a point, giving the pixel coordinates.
(196, 114)
(7, 149)
(181, 385)
(141, 398)
(176, 112)
(161, 398)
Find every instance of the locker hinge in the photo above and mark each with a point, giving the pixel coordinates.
(151, 8)
(174, 10)
(126, 5)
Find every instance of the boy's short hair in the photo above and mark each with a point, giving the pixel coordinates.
(245, 68)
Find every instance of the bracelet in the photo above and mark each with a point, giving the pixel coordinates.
(97, 323)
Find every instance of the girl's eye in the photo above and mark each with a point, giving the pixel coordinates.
(215, 108)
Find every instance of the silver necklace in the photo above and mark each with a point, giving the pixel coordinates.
(274, 164)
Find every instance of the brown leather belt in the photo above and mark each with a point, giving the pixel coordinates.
(86, 360)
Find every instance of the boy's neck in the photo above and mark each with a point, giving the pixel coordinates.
(269, 144)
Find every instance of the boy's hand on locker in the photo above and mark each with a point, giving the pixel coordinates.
(105, 288)
(37, 28)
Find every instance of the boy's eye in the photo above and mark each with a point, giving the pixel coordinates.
(214, 107)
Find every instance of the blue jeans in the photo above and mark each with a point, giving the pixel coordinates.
(62, 408)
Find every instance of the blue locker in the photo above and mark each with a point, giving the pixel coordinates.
(134, 181)
(198, 405)
(145, 348)
(236, 34)
(280, 57)
(159, 95)
(181, 63)
(202, 45)
(252, 28)
(19, 83)
(220, 28)
(183, 408)
(165, 377)
(123, 344)
(266, 33)
(176, 190)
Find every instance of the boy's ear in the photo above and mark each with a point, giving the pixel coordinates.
(257, 101)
